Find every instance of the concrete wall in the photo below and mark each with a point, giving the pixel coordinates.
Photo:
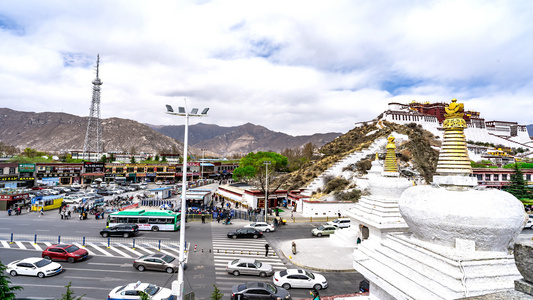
(324, 208)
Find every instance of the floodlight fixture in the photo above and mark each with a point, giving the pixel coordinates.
(194, 111)
(181, 110)
(204, 112)
(169, 108)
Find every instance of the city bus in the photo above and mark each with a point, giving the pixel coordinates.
(154, 220)
(46, 202)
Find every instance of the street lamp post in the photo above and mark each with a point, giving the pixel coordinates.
(202, 164)
(177, 286)
(267, 163)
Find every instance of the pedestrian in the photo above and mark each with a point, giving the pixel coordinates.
(276, 222)
(339, 213)
(41, 212)
(218, 217)
(203, 219)
(293, 247)
(316, 295)
(19, 210)
(9, 212)
(68, 214)
(267, 246)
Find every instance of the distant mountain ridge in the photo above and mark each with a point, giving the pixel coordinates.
(243, 138)
(55, 132)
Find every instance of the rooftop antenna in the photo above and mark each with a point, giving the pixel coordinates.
(93, 137)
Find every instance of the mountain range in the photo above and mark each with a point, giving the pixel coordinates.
(56, 132)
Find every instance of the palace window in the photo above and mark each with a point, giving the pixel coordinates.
(1, 171)
(12, 170)
(149, 170)
(120, 170)
(496, 177)
(528, 177)
(487, 177)
(504, 177)
(160, 169)
(130, 170)
(479, 177)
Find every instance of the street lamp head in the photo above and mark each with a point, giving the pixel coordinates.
(181, 110)
(194, 111)
(204, 112)
(169, 108)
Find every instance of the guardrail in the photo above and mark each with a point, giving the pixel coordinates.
(84, 241)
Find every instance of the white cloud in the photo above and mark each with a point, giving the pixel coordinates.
(298, 67)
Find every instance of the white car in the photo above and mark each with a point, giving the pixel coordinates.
(34, 266)
(76, 185)
(132, 291)
(295, 278)
(261, 226)
(341, 223)
(529, 223)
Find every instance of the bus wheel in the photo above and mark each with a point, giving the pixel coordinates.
(155, 228)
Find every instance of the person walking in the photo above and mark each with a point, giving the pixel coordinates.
(293, 247)
(203, 219)
(42, 212)
(267, 246)
(316, 295)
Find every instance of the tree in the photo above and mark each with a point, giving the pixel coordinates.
(216, 295)
(69, 295)
(132, 160)
(103, 158)
(7, 292)
(517, 184)
(164, 159)
(258, 175)
(156, 158)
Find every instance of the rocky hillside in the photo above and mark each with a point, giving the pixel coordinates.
(418, 151)
(242, 139)
(54, 132)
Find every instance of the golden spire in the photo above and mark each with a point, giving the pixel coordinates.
(453, 157)
(390, 159)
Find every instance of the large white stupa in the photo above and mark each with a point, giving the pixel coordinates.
(459, 236)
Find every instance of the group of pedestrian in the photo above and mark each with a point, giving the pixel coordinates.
(17, 210)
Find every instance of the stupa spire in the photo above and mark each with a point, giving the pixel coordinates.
(390, 158)
(453, 157)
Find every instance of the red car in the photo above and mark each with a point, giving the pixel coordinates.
(69, 253)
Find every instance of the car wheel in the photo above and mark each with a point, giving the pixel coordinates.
(70, 259)
(40, 275)
(155, 228)
(286, 286)
(263, 274)
(13, 273)
(141, 268)
(319, 234)
(47, 257)
(170, 270)
(234, 236)
(317, 287)
(255, 236)
(126, 235)
(268, 230)
(236, 273)
(105, 235)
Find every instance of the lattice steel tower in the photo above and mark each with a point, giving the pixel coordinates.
(93, 137)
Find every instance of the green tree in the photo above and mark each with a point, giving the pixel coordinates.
(259, 174)
(216, 295)
(103, 158)
(7, 292)
(69, 295)
(156, 158)
(132, 160)
(164, 159)
(517, 184)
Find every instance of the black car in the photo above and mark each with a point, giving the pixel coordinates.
(258, 290)
(245, 233)
(104, 192)
(125, 230)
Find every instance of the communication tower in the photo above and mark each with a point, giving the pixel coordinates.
(93, 137)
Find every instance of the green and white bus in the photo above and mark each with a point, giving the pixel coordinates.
(154, 220)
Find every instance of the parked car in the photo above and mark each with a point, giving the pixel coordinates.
(341, 223)
(529, 223)
(68, 253)
(157, 262)
(245, 233)
(33, 266)
(259, 291)
(249, 266)
(94, 185)
(295, 278)
(104, 192)
(324, 230)
(125, 230)
(76, 185)
(261, 226)
(132, 291)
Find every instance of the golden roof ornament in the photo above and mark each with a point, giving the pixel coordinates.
(390, 158)
(453, 157)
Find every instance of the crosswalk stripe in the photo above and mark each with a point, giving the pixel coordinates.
(21, 246)
(48, 244)
(120, 252)
(131, 250)
(37, 247)
(101, 250)
(5, 244)
(80, 246)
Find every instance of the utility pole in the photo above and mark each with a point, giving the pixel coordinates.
(93, 137)
(266, 163)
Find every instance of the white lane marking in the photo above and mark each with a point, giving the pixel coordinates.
(133, 251)
(101, 250)
(5, 244)
(55, 287)
(21, 246)
(120, 252)
(37, 247)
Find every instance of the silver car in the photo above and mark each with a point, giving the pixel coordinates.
(249, 266)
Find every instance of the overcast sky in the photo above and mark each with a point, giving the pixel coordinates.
(298, 67)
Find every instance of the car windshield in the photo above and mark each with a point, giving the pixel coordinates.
(168, 258)
(270, 288)
(258, 264)
(72, 249)
(42, 263)
(321, 228)
(151, 289)
(235, 261)
(310, 275)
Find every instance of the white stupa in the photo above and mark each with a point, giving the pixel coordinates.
(459, 236)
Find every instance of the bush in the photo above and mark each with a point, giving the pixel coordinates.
(336, 185)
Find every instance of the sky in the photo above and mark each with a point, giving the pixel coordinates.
(297, 67)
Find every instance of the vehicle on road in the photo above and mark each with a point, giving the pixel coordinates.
(341, 223)
(70, 253)
(132, 291)
(249, 266)
(324, 230)
(529, 223)
(296, 278)
(258, 291)
(34, 266)
(46, 202)
(104, 192)
(261, 226)
(245, 233)
(124, 230)
(157, 262)
(154, 220)
(76, 185)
